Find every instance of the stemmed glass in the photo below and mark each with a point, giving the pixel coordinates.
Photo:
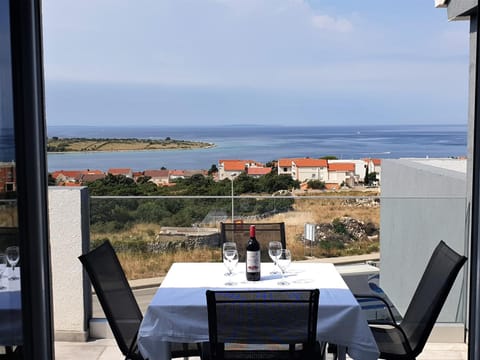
(230, 260)
(3, 267)
(228, 246)
(274, 250)
(12, 257)
(283, 261)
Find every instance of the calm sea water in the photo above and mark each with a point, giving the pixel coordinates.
(263, 143)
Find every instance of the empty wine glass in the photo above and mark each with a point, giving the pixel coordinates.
(230, 260)
(228, 246)
(12, 257)
(283, 261)
(274, 249)
(3, 267)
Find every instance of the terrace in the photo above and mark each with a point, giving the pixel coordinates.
(412, 219)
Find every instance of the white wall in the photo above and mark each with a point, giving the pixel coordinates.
(422, 202)
(359, 166)
(69, 238)
(311, 173)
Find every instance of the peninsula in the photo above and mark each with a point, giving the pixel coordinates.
(57, 144)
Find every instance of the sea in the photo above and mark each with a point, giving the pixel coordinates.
(261, 143)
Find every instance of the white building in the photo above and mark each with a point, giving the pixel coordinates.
(310, 169)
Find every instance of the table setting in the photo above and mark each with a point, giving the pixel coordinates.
(10, 298)
(178, 311)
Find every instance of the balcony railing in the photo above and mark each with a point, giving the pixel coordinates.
(151, 232)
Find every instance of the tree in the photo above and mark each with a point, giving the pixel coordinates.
(273, 182)
(273, 164)
(316, 184)
(366, 178)
(213, 170)
(329, 157)
(372, 177)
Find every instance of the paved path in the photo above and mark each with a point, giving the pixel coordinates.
(106, 349)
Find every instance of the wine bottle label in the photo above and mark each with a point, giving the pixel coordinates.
(253, 261)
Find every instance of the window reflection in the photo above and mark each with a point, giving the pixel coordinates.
(10, 302)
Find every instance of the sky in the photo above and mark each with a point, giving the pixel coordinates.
(265, 62)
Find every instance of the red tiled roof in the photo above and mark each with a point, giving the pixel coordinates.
(227, 164)
(234, 165)
(341, 166)
(376, 162)
(287, 162)
(119, 171)
(195, 172)
(97, 172)
(259, 171)
(177, 172)
(92, 177)
(68, 173)
(311, 162)
(156, 173)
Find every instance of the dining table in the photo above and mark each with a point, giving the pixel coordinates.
(178, 310)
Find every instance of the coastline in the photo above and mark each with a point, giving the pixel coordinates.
(263, 145)
(71, 152)
(120, 144)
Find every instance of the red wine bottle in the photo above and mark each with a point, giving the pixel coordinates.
(253, 257)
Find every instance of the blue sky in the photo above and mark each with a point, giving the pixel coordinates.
(286, 62)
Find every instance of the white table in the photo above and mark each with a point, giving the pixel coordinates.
(178, 311)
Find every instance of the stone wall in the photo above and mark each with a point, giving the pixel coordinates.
(173, 238)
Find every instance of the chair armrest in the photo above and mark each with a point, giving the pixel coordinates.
(381, 299)
(405, 341)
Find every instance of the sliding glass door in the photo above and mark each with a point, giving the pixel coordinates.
(25, 295)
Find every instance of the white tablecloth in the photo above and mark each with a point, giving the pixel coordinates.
(178, 311)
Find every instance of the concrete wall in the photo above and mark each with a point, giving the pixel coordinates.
(69, 238)
(422, 202)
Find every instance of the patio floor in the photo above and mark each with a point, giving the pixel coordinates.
(106, 349)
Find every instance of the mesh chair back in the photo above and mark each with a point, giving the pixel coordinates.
(430, 295)
(239, 233)
(114, 294)
(262, 317)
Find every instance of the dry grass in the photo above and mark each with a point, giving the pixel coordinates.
(320, 211)
(143, 265)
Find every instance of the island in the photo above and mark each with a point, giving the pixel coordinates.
(57, 144)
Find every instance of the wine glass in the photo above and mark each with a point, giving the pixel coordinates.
(230, 260)
(228, 246)
(3, 267)
(283, 261)
(12, 257)
(274, 249)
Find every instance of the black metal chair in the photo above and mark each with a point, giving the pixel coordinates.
(406, 339)
(119, 304)
(262, 324)
(239, 233)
